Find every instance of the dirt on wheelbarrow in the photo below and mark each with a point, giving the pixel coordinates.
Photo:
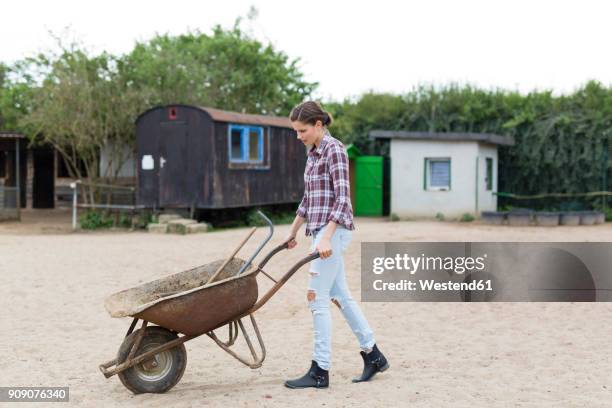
(56, 330)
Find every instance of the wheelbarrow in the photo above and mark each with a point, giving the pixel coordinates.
(186, 305)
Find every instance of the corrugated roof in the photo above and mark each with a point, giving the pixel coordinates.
(11, 135)
(246, 118)
(446, 136)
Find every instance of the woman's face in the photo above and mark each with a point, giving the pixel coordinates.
(308, 134)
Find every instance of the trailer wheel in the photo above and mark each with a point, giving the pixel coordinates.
(161, 372)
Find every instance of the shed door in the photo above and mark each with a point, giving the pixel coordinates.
(43, 186)
(173, 165)
(369, 188)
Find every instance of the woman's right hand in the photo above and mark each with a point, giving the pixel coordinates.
(291, 242)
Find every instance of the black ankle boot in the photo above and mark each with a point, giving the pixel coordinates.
(373, 362)
(315, 377)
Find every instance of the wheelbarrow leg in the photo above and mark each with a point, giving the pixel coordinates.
(247, 339)
(233, 334)
(104, 366)
(131, 329)
(139, 337)
(256, 361)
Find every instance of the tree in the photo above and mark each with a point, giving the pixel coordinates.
(82, 104)
(79, 106)
(227, 70)
(3, 80)
(14, 96)
(354, 120)
(563, 143)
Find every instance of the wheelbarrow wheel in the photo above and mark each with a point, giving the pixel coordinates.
(158, 374)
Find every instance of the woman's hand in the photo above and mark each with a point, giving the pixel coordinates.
(324, 248)
(295, 227)
(291, 242)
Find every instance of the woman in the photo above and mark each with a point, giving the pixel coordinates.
(326, 210)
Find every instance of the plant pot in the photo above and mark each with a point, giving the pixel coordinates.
(547, 219)
(493, 217)
(569, 218)
(519, 218)
(588, 218)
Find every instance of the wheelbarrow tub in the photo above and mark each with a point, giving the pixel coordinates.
(184, 303)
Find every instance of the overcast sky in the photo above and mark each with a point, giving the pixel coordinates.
(352, 46)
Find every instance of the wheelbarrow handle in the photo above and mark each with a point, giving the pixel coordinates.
(284, 245)
(283, 280)
(309, 258)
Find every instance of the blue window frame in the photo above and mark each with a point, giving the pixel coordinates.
(245, 144)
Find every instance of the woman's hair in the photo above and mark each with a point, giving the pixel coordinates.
(309, 112)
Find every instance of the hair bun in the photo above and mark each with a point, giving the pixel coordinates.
(310, 112)
(328, 119)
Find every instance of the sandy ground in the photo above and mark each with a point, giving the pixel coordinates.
(55, 330)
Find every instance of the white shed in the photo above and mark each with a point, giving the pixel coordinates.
(447, 173)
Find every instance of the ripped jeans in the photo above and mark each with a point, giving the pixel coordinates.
(328, 281)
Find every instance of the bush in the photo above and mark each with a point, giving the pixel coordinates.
(562, 143)
(124, 220)
(394, 217)
(440, 216)
(277, 218)
(467, 217)
(145, 218)
(93, 220)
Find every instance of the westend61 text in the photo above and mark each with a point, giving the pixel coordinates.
(429, 284)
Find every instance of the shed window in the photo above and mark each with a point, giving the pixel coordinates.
(437, 174)
(489, 179)
(246, 144)
(255, 145)
(236, 144)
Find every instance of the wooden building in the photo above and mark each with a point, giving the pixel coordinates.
(203, 158)
(33, 167)
(43, 174)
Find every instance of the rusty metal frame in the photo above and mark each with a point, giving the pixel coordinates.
(257, 360)
(131, 329)
(131, 361)
(275, 288)
(233, 333)
(139, 337)
(112, 367)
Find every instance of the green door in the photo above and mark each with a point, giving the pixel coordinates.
(369, 185)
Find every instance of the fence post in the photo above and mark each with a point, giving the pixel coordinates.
(18, 177)
(604, 180)
(73, 186)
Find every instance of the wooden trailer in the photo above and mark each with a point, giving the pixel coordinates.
(193, 157)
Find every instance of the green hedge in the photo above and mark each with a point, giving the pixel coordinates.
(563, 142)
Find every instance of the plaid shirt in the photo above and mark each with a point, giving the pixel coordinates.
(326, 187)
